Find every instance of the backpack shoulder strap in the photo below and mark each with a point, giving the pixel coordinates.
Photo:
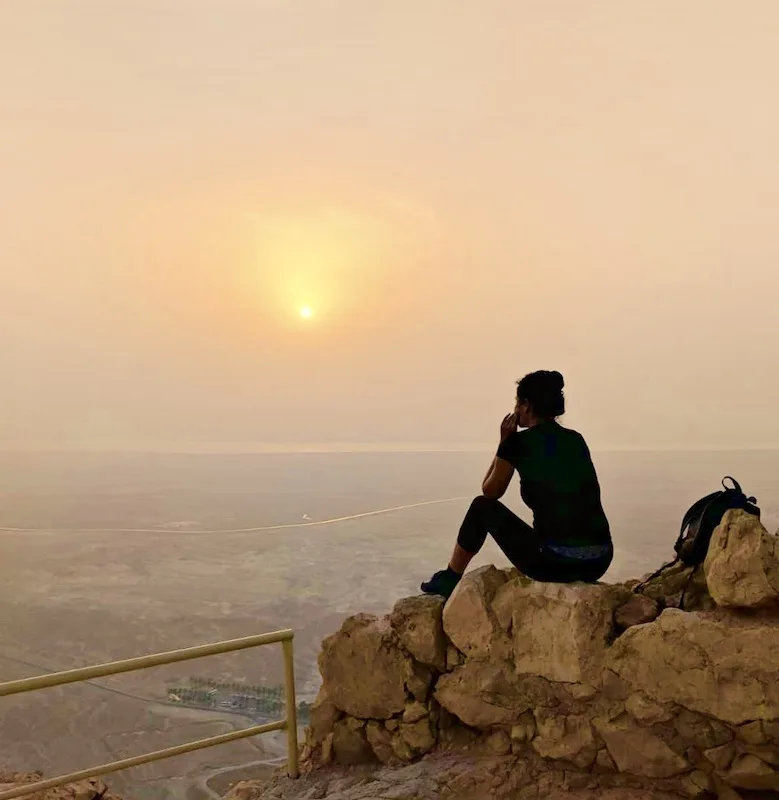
(638, 587)
(694, 510)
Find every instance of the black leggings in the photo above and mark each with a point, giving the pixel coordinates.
(523, 546)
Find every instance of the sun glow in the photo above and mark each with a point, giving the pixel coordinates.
(323, 264)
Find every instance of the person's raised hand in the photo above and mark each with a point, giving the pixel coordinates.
(508, 426)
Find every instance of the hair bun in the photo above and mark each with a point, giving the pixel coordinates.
(557, 378)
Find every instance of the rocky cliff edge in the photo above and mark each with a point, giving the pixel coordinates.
(517, 689)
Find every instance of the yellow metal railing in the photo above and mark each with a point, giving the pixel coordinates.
(172, 657)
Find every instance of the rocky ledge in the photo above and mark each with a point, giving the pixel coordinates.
(93, 789)
(528, 690)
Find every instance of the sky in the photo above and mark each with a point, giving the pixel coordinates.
(460, 192)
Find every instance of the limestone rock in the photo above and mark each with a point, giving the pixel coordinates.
(525, 729)
(752, 733)
(721, 757)
(418, 623)
(414, 712)
(749, 772)
(401, 748)
(701, 732)
(453, 658)
(89, 789)
(327, 748)
(742, 565)
(504, 603)
(483, 694)
(697, 784)
(324, 715)
(480, 694)
(639, 752)
(645, 710)
(419, 736)
(468, 619)
(614, 688)
(561, 631)
(605, 762)
(581, 691)
(565, 738)
(418, 681)
(499, 743)
(380, 740)
(350, 745)
(724, 792)
(638, 610)
(718, 664)
(767, 753)
(364, 670)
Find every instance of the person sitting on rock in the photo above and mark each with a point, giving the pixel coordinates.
(571, 538)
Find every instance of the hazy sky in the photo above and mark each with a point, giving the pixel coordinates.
(461, 191)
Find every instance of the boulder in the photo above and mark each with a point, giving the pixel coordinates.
(560, 631)
(364, 670)
(483, 695)
(639, 752)
(752, 733)
(565, 738)
(742, 565)
(723, 791)
(418, 736)
(750, 772)
(701, 732)
(415, 711)
(468, 619)
(418, 624)
(697, 784)
(721, 757)
(638, 610)
(324, 715)
(604, 762)
(767, 753)
(380, 740)
(718, 664)
(350, 745)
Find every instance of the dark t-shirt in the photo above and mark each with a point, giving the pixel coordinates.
(558, 484)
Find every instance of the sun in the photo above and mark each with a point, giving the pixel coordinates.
(306, 312)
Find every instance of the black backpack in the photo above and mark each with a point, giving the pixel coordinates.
(703, 517)
(699, 524)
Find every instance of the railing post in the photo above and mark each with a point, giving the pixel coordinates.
(292, 713)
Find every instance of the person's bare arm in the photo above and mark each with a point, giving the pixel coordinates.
(499, 475)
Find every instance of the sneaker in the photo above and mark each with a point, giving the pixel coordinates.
(442, 583)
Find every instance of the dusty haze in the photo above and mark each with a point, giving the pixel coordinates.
(460, 191)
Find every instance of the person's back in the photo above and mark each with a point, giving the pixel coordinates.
(558, 484)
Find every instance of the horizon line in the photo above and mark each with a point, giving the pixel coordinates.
(303, 448)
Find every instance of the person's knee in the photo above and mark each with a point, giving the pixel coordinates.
(481, 504)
